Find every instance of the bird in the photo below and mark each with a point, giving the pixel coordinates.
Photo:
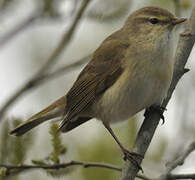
(130, 71)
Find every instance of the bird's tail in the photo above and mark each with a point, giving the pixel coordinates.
(56, 109)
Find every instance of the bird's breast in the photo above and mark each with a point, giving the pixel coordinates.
(136, 89)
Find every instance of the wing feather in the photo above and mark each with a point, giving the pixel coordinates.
(101, 73)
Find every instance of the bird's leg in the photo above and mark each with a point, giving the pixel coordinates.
(157, 109)
(131, 156)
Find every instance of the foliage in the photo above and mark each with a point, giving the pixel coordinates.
(13, 150)
(54, 157)
(58, 148)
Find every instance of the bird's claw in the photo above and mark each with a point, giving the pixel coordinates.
(158, 109)
(132, 157)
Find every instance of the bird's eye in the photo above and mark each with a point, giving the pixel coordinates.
(154, 20)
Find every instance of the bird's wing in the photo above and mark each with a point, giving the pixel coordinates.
(101, 73)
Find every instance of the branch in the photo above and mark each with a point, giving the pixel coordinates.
(63, 70)
(59, 166)
(12, 169)
(182, 176)
(179, 161)
(150, 124)
(50, 61)
(65, 38)
(19, 28)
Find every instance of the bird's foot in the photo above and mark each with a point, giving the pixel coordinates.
(133, 158)
(157, 109)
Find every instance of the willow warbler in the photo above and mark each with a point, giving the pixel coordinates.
(130, 71)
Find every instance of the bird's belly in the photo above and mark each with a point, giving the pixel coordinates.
(124, 100)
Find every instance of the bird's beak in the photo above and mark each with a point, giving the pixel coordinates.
(178, 20)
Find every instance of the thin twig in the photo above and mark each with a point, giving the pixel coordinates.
(65, 39)
(43, 79)
(182, 176)
(19, 28)
(50, 61)
(59, 166)
(150, 124)
(58, 72)
(179, 161)
(64, 69)
(12, 168)
(30, 85)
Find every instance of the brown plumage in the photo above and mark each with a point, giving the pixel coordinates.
(54, 110)
(95, 78)
(130, 71)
